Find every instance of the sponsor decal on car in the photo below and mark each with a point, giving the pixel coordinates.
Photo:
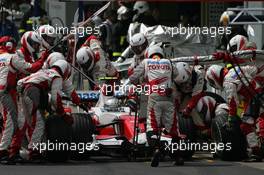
(88, 95)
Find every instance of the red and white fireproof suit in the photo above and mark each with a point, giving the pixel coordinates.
(160, 102)
(32, 88)
(102, 65)
(236, 90)
(37, 122)
(194, 86)
(102, 68)
(10, 66)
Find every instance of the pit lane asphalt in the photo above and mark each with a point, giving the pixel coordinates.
(201, 165)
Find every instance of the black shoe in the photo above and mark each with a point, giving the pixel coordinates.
(179, 161)
(13, 159)
(156, 158)
(4, 156)
(253, 158)
(36, 157)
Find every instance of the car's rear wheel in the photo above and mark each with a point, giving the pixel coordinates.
(59, 137)
(234, 142)
(187, 128)
(82, 131)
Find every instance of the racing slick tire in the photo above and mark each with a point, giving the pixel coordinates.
(82, 135)
(235, 145)
(59, 133)
(187, 128)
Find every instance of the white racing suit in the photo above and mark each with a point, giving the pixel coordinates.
(236, 91)
(33, 89)
(161, 110)
(10, 66)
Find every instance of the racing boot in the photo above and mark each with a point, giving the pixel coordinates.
(255, 155)
(13, 159)
(156, 158)
(154, 143)
(177, 155)
(35, 156)
(4, 155)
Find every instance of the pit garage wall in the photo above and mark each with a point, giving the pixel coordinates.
(63, 10)
(259, 35)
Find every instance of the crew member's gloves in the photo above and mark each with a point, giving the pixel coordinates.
(44, 56)
(75, 98)
(87, 42)
(222, 56)
(120, 59)
(67, 118)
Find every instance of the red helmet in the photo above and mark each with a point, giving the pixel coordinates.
(8, 44)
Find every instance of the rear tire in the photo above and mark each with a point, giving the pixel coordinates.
(186, 127)
(58, 132)
(234, 136)
(82, 131)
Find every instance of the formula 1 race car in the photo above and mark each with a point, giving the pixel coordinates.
(112, 130)
(116, 130)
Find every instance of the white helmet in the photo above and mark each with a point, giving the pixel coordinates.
(122, 13)
(97, 21)
(138, 43)
(184, 72)
(214, 76)
(225, 17)
(65, 68)
(221, 109)
(85, 57)
(31, 41)
(141, 7)
(48, 35)
(206, 106)
(236, 43)
(111, 103)
(52, 58)
(154, 49)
